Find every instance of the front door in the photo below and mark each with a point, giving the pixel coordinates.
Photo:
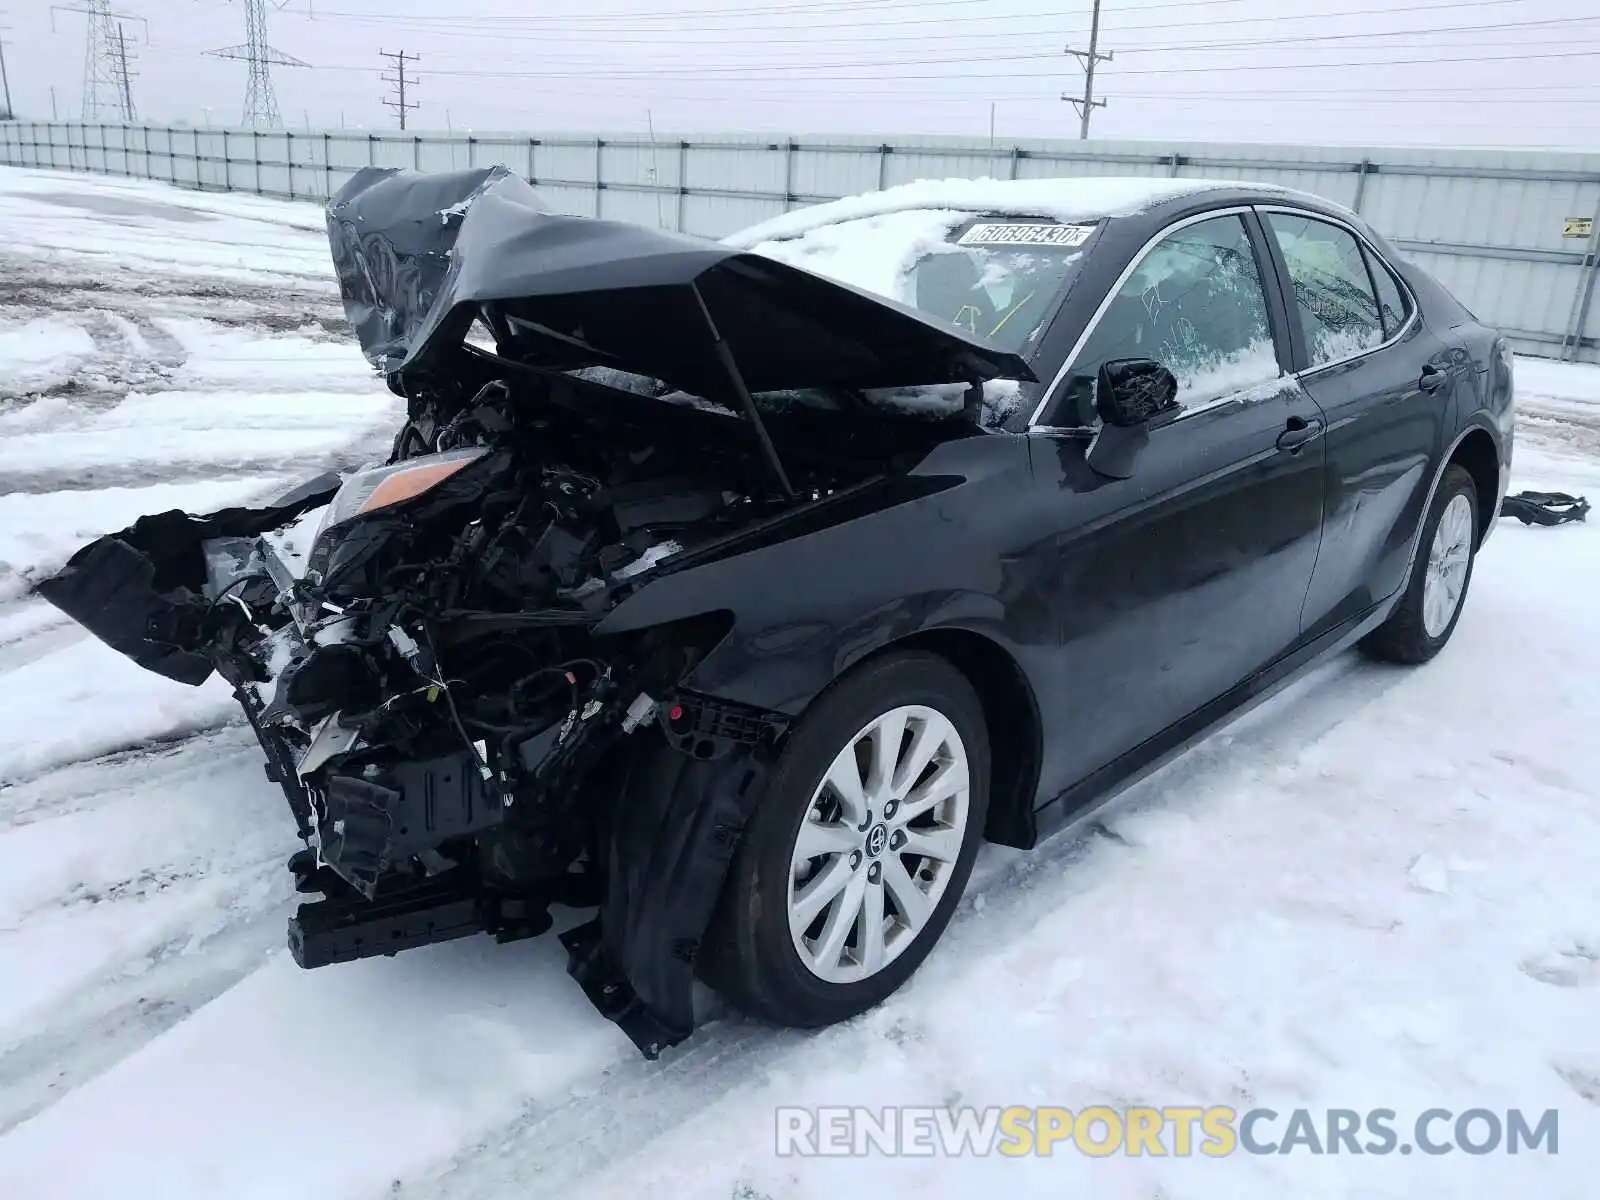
(1179, 582)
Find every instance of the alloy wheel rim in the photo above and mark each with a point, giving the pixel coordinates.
(878, 844)
(1448, 559)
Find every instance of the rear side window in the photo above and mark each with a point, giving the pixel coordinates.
(1328, 273)
(1391, 300)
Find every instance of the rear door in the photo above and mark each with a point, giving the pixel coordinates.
(1385, 383)
(1173, 585)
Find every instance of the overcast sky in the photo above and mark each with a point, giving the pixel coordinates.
(1481, 72)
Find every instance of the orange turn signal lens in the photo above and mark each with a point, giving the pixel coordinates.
(406, 484)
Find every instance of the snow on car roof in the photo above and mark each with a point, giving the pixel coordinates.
(1075, 199)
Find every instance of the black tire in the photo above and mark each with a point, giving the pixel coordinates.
(1404, 637)
(749, 955)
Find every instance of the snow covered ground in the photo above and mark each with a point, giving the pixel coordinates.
(1380, 890)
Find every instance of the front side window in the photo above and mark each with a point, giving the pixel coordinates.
(1332, 290)
(1195, 304)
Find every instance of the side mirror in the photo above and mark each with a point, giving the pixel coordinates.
(1129, 391)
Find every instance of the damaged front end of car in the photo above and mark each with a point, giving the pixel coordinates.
(462, 744)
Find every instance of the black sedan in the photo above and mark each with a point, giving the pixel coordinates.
(740, 590)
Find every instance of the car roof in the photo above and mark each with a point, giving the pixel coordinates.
(1081, 198)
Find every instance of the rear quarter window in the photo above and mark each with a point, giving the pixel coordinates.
(1392, 304)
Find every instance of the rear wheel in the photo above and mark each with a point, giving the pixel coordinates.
(850, 869)
(1427, 614)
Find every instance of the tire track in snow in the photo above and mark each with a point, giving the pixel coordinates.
(48, 479)
(142, 882)
(37, 644)
(219, 903)
(131, 350)
(132, 1003)
(79, 785)
(25, 618)
(1560, 428)
(41, 288)
(555, 1148)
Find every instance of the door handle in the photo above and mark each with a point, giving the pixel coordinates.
(1298, 432)
(1432, 378)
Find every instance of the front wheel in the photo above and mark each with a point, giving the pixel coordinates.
(1427, 614)
(858, 854)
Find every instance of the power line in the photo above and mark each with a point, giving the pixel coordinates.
(1090, 58)
(1433, 31)
(982, 96)
(823, 8)
(260, 100)
(1578, 123)
(399, 80)
(609, 66)
(734, 71)
(663, 37)
(540, 27)
(605, 63)
(830, 8)
(980, 89)
(588, 54)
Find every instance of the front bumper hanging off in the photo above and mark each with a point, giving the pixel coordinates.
(674, 808)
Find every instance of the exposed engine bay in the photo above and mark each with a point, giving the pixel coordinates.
(431, 692)
(462, 743)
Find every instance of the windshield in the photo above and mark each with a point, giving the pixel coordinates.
(1000, 281)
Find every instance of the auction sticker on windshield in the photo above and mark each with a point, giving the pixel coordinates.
(1026, 234)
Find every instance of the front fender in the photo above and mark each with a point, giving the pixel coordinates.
(805, 608)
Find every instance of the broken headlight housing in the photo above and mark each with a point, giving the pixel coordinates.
(378, 487)
(370, 491)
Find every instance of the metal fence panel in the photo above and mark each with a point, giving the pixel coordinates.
(718, 216)
(435, 154)
(1516, 234)
(577, 201)
(393, 152)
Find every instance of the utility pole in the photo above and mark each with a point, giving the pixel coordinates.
(5, 85)
(399, 82)
(106, 91)
(260, 101)
(120, 75)
(1090, 59)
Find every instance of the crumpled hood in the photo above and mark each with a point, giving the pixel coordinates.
(419, 255)
(391, 233)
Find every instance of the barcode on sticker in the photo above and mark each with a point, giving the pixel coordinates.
(1033, 234)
